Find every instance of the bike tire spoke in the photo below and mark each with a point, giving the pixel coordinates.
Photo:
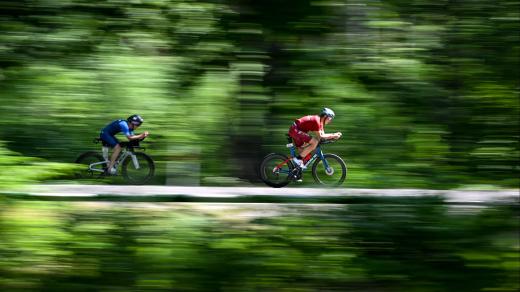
(275, 170)
(334, 175)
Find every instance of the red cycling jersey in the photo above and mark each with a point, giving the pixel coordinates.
(301, 126)
(309, 123)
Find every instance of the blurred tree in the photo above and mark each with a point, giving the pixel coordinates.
(393, 245)
(426, 93)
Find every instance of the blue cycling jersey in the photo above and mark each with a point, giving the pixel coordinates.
(117, 126)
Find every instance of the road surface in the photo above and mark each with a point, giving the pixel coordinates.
(257, 194)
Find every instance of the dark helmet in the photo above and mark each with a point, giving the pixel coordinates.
(327, 112)
(135, 119)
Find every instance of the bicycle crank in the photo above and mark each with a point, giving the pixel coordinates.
(296, 173)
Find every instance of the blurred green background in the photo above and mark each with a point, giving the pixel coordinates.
(426, 93)
(417, 245)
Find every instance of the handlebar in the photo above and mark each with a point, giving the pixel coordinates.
(322, 141)
(328, 141)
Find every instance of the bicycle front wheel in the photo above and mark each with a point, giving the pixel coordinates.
(332, 176)
(93, 165)
(275, 170)
(140, 170)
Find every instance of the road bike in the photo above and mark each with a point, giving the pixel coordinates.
(136, 167)
(277, 170)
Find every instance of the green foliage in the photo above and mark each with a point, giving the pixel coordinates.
(17, 170)
(419, 245)
(425, 91)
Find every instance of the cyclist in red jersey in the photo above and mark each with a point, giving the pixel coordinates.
(300, 129)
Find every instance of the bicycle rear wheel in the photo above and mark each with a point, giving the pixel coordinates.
(88, 170)
(333, 176)
(275, 170)
(140, 172)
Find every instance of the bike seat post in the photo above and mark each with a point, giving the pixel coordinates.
(105, 152)
(292, 147)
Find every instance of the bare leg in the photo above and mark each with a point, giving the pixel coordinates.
(115, 154)
(308, 147)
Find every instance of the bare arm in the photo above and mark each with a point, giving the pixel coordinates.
(137, 137)
(321, 135)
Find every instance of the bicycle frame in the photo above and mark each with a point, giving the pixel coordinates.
(317, 154)
(125, 153)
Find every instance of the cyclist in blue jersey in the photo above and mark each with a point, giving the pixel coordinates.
(126, 127)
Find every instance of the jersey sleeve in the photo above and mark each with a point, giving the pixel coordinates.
(124, 128)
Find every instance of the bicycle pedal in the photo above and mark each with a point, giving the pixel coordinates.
(107, 173)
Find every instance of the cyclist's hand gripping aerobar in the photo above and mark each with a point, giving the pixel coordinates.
(144, 135)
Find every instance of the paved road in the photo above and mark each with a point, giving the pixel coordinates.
(260, 194)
